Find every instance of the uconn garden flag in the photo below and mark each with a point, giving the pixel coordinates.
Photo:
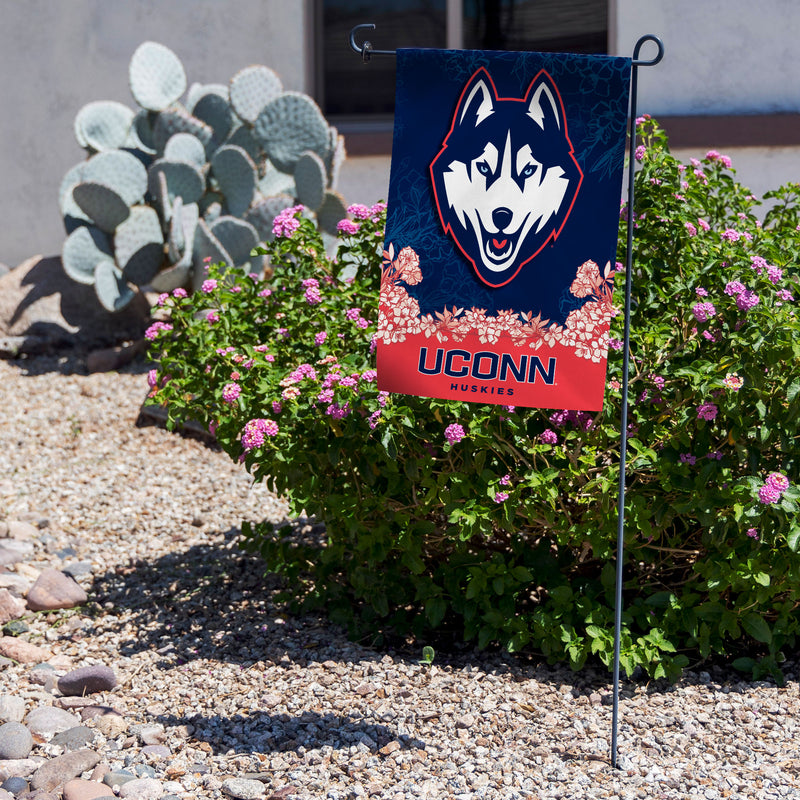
(501, 235)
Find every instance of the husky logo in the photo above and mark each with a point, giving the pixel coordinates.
(505, 179)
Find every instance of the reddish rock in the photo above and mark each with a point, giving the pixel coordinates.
(78, 789)
(54, 589)
(10, 607)
(22, 651)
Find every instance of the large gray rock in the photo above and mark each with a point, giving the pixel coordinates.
(48, 720)
(57, 771)
(41, 307)
(15, 741)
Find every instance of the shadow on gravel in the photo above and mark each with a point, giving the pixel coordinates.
(278, 733)
(214, 601)
(210, 601)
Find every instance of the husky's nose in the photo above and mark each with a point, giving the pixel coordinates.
(502, 218)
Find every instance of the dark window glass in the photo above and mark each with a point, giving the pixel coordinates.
(552, 26)
(348, 87)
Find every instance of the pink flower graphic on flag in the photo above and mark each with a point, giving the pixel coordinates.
(585, 329)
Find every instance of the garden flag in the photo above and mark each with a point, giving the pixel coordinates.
(501, 234)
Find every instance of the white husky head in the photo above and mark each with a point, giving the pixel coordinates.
(506, 178)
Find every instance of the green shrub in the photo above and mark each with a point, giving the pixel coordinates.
(500, 523)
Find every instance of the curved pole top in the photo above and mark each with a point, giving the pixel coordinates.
(637, 62)
(366, 50)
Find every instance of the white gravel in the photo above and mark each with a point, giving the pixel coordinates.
(237, 689)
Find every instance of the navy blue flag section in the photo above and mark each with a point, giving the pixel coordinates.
(501, 236)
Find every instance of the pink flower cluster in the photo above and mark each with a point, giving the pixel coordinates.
(713, 155)
(208, 286)
(156, 328)
(733, 381)
(746, 300)
(255, 430)
(579, 419)
(703, 311)
(360, 211)
(548, 436)
(734, 288)
(297, 375)
(773, 488)
(231, 392)
(707, 411)
(454, 433)
(347, 227)
(286, 223)
(311, 286)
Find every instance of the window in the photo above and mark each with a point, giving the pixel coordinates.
(359, 98)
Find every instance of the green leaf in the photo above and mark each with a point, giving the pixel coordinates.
(435, 609)
(756, 626)
(793, 537)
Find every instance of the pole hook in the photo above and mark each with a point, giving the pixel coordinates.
(365, 50)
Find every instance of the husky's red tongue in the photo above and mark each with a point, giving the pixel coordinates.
(499, 245)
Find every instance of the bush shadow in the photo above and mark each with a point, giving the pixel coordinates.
(278, 733)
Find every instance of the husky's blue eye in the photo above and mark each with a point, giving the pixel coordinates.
(528, 171)
(484, 168)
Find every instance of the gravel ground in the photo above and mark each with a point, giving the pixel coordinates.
(221, 693)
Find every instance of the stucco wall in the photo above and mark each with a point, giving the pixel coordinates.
(57, 55)
(721, 56)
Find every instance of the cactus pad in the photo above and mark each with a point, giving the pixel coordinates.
(335, 157)
(332, 211)
(236, 236)
(242, 136)
(178, 120)
(289, 125)
(101, 204)
(251, 89)
(310, 177)
(103, 125)
(274, 182)
(199, 90)
(181, 231)
(184, 180)
(120, 171)
(216, 113)
(206, 246)
(185, 147)
(156, 76)
(139, 245)
(172, 277)
(83, 250)
(70, 210)
(111, 288)
(236, 175)
(141, 132)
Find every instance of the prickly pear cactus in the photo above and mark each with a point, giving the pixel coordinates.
(191, 174)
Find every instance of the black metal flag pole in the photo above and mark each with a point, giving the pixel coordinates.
(635, 64)
(366, 51)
